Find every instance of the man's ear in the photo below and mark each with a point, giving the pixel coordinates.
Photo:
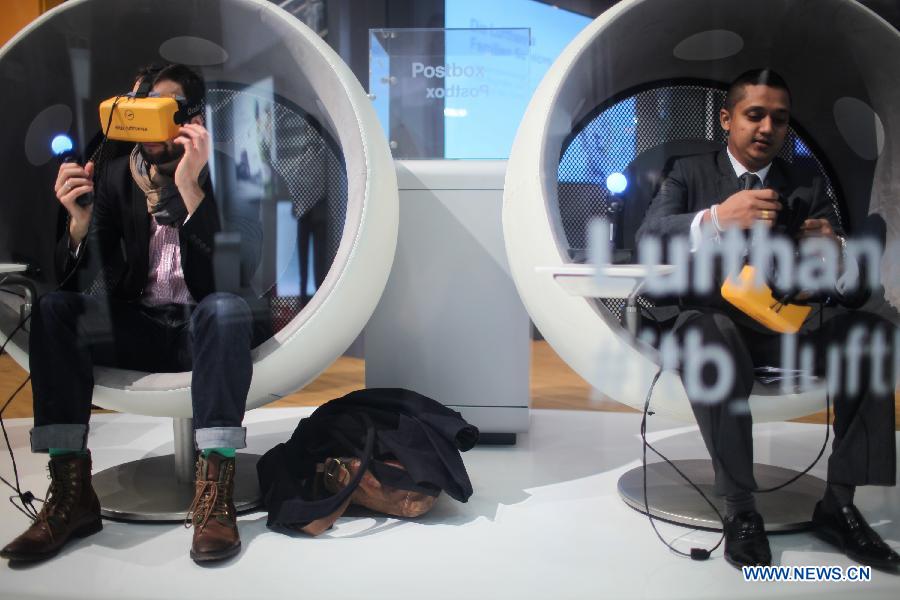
(725, 119)
(198, 120)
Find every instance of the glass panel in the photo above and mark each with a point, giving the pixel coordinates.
(440, 91)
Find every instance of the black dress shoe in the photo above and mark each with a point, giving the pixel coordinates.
(746, 543)
(848, 530)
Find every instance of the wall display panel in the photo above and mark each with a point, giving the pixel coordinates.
(550, 28)
(459, 92)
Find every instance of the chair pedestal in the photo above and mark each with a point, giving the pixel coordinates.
(161, 488)
(674, 500)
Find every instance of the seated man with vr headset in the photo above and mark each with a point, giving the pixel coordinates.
(148, 222)
(701, 199)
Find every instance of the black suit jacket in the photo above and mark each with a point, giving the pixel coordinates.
(118, 245)
(695, 183)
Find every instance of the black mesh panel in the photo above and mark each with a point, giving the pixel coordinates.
(309, 172)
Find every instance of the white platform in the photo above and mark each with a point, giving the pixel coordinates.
(545, 522)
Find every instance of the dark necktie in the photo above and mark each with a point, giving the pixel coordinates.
(750, 181)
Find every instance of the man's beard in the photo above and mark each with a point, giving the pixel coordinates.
(170, 153)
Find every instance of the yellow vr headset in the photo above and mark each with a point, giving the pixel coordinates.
(144, 118)
(757, 300)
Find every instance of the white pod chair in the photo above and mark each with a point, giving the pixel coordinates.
(841, 62)
(329, 148)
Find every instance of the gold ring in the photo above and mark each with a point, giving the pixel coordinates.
(766, 214)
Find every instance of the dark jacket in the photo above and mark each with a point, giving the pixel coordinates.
(423, 435)
(695, 183)
(118, 244)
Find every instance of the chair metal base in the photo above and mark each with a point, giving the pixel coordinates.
(673, 500)
(148, 490)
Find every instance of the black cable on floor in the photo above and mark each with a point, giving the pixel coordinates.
(702, 553)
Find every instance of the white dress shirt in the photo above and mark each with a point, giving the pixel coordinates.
(739, 169)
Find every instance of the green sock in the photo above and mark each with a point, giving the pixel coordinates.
(65, 451)
(226, 452)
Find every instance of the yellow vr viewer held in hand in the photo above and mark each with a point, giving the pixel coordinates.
(756, 300)
(149, 118)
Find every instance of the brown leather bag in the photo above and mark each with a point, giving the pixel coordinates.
(390, 450)
(372, 493)
(335, 474)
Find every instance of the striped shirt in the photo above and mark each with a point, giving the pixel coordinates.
(165, 279)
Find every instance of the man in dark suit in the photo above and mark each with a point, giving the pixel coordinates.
(151, 232)
(701, 197)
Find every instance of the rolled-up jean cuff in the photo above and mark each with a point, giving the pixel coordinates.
(68, 436)
(221, 437)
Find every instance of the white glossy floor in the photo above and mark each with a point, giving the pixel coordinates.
(545, 522)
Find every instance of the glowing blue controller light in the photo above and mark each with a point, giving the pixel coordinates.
(616, 183)
(61, 144)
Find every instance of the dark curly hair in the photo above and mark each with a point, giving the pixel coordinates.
(190, 81)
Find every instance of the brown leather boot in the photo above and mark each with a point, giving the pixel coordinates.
(212, 513)
(71, 510)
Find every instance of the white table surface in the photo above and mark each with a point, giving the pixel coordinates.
(619, 281)
(12, 268)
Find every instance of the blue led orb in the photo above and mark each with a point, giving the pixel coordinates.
(616, 183)
(61, 143)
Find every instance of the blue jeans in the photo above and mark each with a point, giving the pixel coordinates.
(73, 332)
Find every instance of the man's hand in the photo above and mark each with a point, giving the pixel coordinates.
(194, 138)
(72, 182)
(745, 208)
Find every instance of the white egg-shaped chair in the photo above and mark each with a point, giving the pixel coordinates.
(841, 61)
(64, 63)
